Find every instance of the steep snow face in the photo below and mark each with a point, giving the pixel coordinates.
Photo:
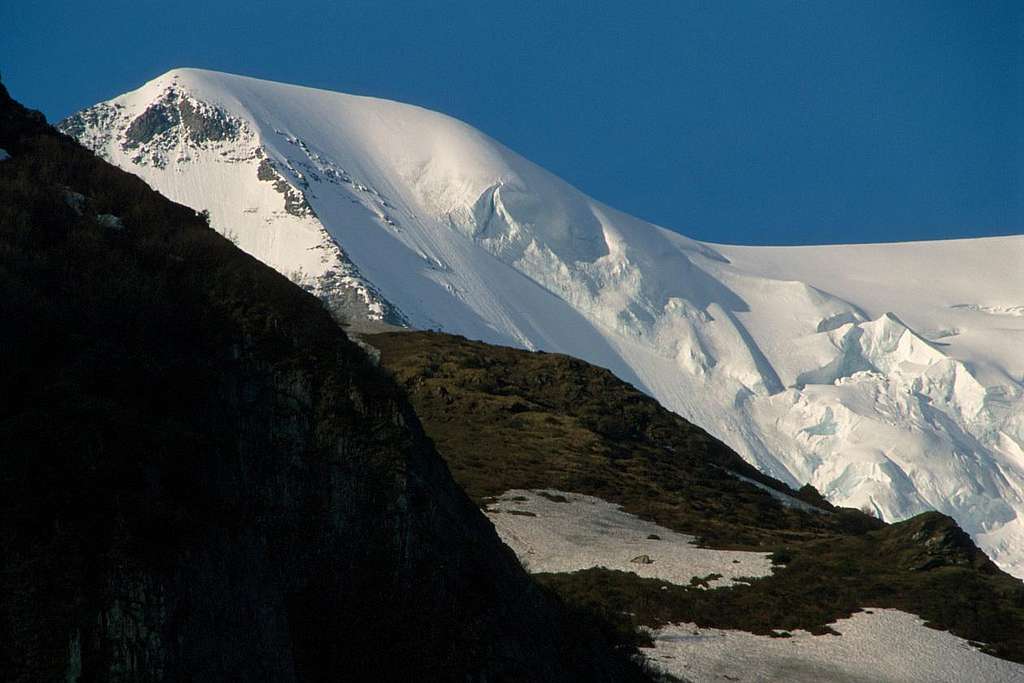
(191, 148)
(889, 376)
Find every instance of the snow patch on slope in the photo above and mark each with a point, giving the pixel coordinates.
(555, 531)
(873, 645)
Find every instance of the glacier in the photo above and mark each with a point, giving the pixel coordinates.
(889, 376)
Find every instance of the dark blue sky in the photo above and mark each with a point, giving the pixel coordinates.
(748, 122)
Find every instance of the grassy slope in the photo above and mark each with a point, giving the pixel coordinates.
(506, 418)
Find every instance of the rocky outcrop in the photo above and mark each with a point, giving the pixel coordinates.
(199, 122)
(177, 131)
(204, 479)
(294, 200)
(932, 540)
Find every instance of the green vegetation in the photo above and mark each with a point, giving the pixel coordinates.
(827, 580)
(510, 419)
(506, 419)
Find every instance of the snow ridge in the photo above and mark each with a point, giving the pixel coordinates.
(889, 376)
(253, 195)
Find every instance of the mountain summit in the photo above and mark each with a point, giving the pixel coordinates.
(888, 376)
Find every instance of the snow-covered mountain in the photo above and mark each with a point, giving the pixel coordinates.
(889, 376)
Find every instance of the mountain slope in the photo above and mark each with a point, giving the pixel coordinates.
(887, 376)
(202, 478)
(509, 420)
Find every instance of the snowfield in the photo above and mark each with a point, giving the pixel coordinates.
(891, 377)
(875, 645)
(556, 531)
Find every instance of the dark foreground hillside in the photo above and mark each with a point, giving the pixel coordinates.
(202, 478)
(510, 419)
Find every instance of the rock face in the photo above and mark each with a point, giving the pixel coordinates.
(202, 478)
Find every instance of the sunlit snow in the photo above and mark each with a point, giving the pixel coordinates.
(555, 531)
(890, 377)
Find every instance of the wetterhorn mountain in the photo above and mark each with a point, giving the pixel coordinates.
(888, 376)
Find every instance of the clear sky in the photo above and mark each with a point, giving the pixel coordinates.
(767, 122)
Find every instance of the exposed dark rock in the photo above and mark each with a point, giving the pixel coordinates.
(202, 478)
(265, 171)
(200, 123)
(158, 118)
(108, 220)
(294, 199)
(92, 127)
(349, 296)
(207, 124)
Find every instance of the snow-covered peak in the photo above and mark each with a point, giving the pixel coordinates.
(889, 376)
(431, 161)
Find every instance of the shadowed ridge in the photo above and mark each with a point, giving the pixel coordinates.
(201, 477)
(508, 419)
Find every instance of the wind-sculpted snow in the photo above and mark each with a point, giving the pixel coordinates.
(889, 376)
